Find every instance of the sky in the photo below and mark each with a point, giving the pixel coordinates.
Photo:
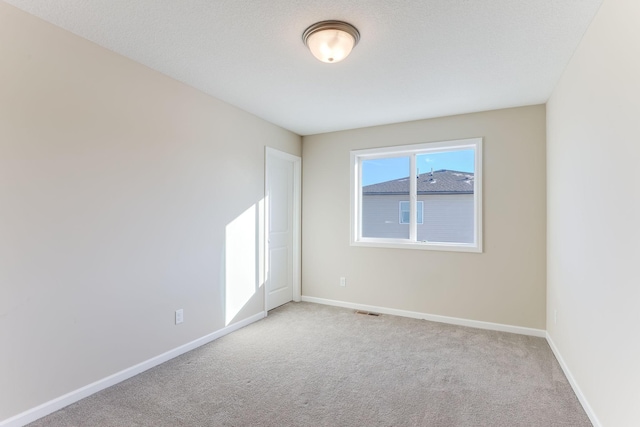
(381, 170)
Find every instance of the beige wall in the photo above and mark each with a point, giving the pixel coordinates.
(505, 284)
(116, 186)
(593, 159)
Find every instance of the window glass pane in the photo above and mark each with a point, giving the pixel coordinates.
(446, 187)
(385, 183)
(404, 212)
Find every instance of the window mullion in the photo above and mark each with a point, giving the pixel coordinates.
(413, 200)
(358, 198)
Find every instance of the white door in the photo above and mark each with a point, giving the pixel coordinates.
(282, 281)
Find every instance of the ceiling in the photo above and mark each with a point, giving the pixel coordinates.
(416, 58)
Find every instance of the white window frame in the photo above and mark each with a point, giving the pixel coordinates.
(420, 208)
(411, 151)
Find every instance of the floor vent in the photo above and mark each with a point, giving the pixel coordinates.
(368, 313)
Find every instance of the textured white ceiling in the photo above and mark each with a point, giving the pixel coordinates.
(416, 58)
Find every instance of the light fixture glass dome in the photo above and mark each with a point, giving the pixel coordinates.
(331, 41)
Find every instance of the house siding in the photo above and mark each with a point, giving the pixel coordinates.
(381, 217)
(447, 217)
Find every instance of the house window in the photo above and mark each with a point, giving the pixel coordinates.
(405, 215)
(422, 196)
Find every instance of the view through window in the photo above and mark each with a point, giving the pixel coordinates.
(423, 195)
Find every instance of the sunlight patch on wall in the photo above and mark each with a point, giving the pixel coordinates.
(262, 268)
(243, 252)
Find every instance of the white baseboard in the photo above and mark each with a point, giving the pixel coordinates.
(574, 385)
(72, 397)
(432, 317)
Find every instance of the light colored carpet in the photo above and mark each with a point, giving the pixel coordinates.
(314, 365)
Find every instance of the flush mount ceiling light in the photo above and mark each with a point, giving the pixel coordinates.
(331, 41)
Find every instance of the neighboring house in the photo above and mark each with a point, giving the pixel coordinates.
(445, 207)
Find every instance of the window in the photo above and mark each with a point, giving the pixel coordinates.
(405, 213)
(422, 196)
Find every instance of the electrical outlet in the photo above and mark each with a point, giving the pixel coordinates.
(343, 281)
(179, 316)
(555, 317)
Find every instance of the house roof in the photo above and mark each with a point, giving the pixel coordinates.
(443, 181)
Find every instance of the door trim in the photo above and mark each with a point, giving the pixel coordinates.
(297, 213)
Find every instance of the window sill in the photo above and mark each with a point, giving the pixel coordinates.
(429, 246)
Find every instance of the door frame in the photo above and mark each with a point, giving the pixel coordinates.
(297, 213)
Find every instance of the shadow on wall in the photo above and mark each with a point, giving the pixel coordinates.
(244, 267)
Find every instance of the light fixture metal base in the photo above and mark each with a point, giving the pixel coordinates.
(331, 25)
